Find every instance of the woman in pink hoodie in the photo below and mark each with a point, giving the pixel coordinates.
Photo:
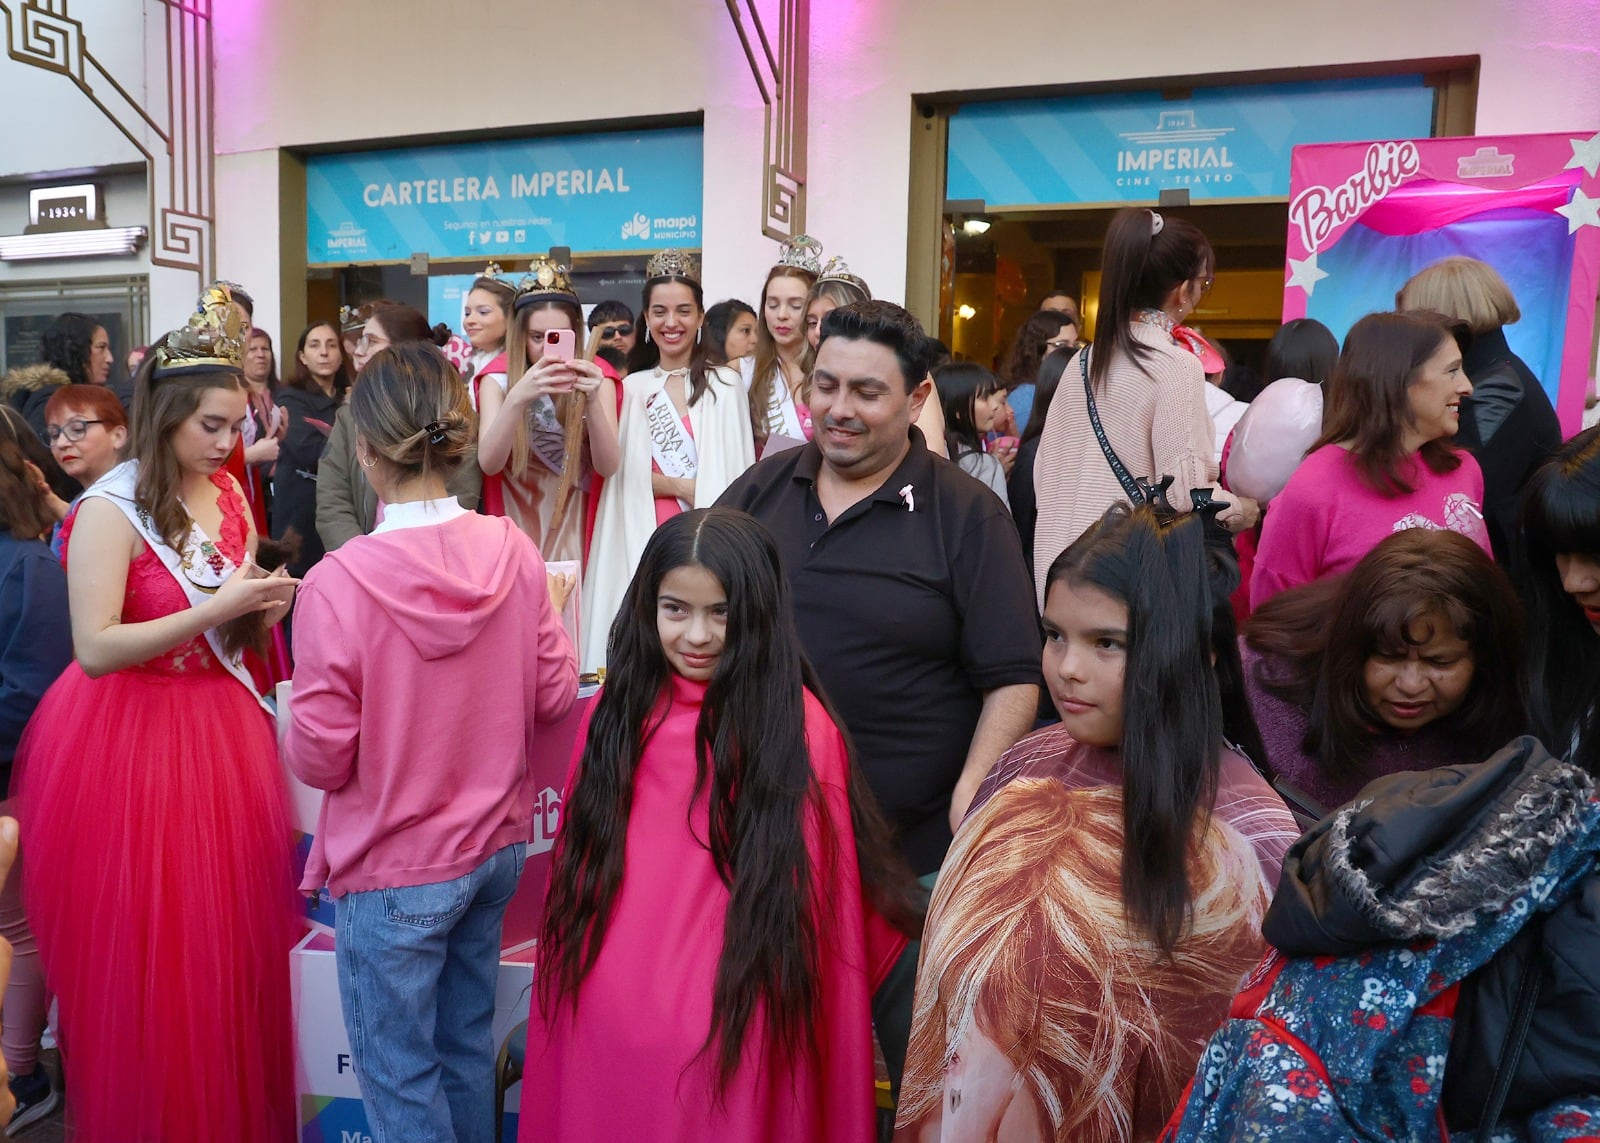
(428, 652)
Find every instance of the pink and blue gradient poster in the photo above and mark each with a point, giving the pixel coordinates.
(1364, 217)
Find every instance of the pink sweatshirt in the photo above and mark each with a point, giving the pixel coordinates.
(1327, 518)
(424, 657)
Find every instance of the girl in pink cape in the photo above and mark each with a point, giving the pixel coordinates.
(724, 897)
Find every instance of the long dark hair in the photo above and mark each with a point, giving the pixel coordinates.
(1029, 347)
(751, 758)
(1316, 639)
(66, 344)
(1303, 348)
(1366, 402)
(960, 386)
(24, 509)
(718, 321)
(646, 354)
(1146, 255)
(1172, 736)
(1050, 371)
(1561, 516)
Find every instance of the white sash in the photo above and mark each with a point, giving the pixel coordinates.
(199, 569)
(673, 449)
(783, 419)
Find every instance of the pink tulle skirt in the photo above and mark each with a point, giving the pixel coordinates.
(159, 884)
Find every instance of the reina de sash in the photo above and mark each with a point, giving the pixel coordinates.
(199, 569)
(673, 449)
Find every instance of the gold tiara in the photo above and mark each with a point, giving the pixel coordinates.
(802, 252)
(353, 318)
(672, 263)
(493, 272)
(838, 270)
(544, 281)
(213, 338)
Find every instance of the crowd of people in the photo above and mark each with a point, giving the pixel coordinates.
(957, 720)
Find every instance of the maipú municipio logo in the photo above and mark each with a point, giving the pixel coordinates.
(637, 227)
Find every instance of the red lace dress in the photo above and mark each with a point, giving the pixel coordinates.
(160, 887)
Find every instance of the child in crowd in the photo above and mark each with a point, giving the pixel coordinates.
(1103, 898)
(429, 651)
(723, 889)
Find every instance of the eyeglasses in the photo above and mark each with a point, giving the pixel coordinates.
(1060, 343)
(74, 430)
(366, 342)
(611, 331)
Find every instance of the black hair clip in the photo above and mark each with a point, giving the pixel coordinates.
(435, 431)
(1154, 493)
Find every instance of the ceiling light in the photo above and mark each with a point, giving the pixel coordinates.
(976, 226)
(109, 242)
(965, 311)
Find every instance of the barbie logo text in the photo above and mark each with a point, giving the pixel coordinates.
(1319, 211)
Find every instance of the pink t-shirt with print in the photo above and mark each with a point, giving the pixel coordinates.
(1327, 517)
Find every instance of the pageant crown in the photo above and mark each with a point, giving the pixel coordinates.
(803, 252)
(352, 319)
(545, 280)
(672, 264)
(493, 272)
(838, 270)
(212, 339)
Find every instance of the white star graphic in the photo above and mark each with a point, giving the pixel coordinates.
(1581, 211)
(1585, 155)
(1303, 272)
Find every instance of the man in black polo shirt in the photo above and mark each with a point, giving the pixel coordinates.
(910, 590)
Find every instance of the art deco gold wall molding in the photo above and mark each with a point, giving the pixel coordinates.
(784, 81)
(181, 161)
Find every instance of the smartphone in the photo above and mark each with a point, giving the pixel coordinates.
(559, 344)
(1004, 444)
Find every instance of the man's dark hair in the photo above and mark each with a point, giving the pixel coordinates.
(609, 310)
(885, 324)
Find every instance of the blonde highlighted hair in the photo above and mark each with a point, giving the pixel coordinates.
(412, 410)
(517, 362)
(1461, 288)
(1029, 942)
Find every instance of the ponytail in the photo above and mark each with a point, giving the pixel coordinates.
(1146, 254)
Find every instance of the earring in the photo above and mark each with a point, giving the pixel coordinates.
(367, 461)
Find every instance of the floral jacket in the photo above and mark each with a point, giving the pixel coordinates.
(1385, 907)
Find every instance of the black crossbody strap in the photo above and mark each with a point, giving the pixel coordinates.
(1130, 487)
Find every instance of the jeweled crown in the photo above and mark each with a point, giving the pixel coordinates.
(838, 270)
(353, 319)
(672, 263)
(545, 280)
(213, 338)
(802, 252)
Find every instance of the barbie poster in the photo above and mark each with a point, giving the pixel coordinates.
(1041, 1013)
(1364, 217)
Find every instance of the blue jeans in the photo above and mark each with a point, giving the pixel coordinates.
(417, 970)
